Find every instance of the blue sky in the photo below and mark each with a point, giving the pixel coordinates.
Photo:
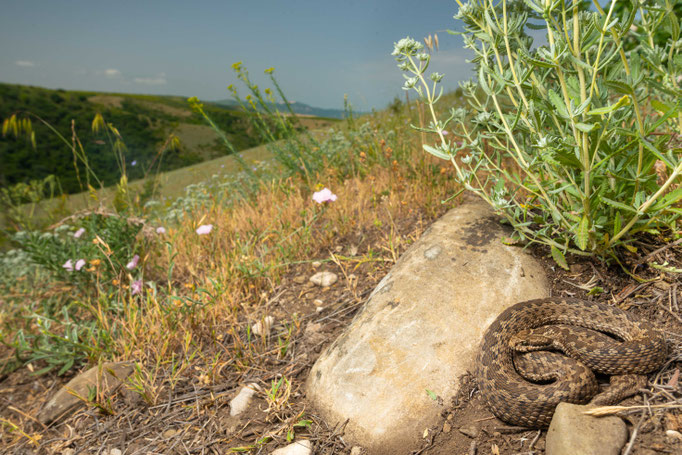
(320, 49)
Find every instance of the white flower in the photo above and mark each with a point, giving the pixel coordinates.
(324, 195)
(68, 265)
(204, 229)
(136, 287)
(79, 232)
(133, 262)
(79, 264)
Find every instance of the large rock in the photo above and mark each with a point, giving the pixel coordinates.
(420, 330)
(104, 378)
(572, 432)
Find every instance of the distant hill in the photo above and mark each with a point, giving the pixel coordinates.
(144, 122)
(298, 108)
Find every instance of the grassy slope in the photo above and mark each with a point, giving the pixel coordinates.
(172, 183)
(144, 122)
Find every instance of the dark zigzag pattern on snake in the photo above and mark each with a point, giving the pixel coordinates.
(518, 401)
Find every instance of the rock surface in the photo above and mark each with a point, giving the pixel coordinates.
(572, 432)
(303, 447)
(105, 378)
(420, 329)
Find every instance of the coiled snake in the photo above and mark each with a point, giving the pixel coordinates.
(543, 324)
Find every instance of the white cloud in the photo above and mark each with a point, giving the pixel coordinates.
(160, 79)
(25, 63)
(112, 73)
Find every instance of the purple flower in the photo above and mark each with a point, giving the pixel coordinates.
(204, 229)
(133, 262)
(79, 264)
(324, 195)
(79, 232)
(133, 163)
(160, 230)
(136, 287)
(68, 265)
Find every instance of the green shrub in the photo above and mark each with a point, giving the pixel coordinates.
(98, 260)
(572, 141)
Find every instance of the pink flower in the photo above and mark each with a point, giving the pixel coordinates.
(79, 232)
(79, 264)
(324, 195)
(136, 287)
(68, 265)
(133, 262)
(160, 230)
(204, 229)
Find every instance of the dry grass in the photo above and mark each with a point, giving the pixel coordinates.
(191, 338)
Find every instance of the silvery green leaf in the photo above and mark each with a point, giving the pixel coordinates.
(582, 234)
(558, 103)
(436, 152)
(625, 100)
(618, 205)
(587, 127)
(581, 108)
(559, 258)
(621, 87)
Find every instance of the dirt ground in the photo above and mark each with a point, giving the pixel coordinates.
(193, 417)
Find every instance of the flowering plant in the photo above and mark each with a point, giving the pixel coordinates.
(101, 251)
(575, 142)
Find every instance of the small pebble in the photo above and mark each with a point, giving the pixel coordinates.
(674, 434)
(263, 327)
(242, 400)
(469, 430)
(324, 279)
(447, 427)
(303, 447)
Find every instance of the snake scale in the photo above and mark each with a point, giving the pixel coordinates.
(544, 324)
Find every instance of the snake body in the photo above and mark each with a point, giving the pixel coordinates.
(514, 399)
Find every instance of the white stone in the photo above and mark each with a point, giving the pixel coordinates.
(574, 432)
(674, 434)
(303, 447)
(263, 326)
(421, 329)
(324, 278)
(242, 400)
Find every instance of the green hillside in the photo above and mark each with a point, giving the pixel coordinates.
(144, 122)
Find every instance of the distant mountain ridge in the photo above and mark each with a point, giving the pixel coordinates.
(298, 108)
